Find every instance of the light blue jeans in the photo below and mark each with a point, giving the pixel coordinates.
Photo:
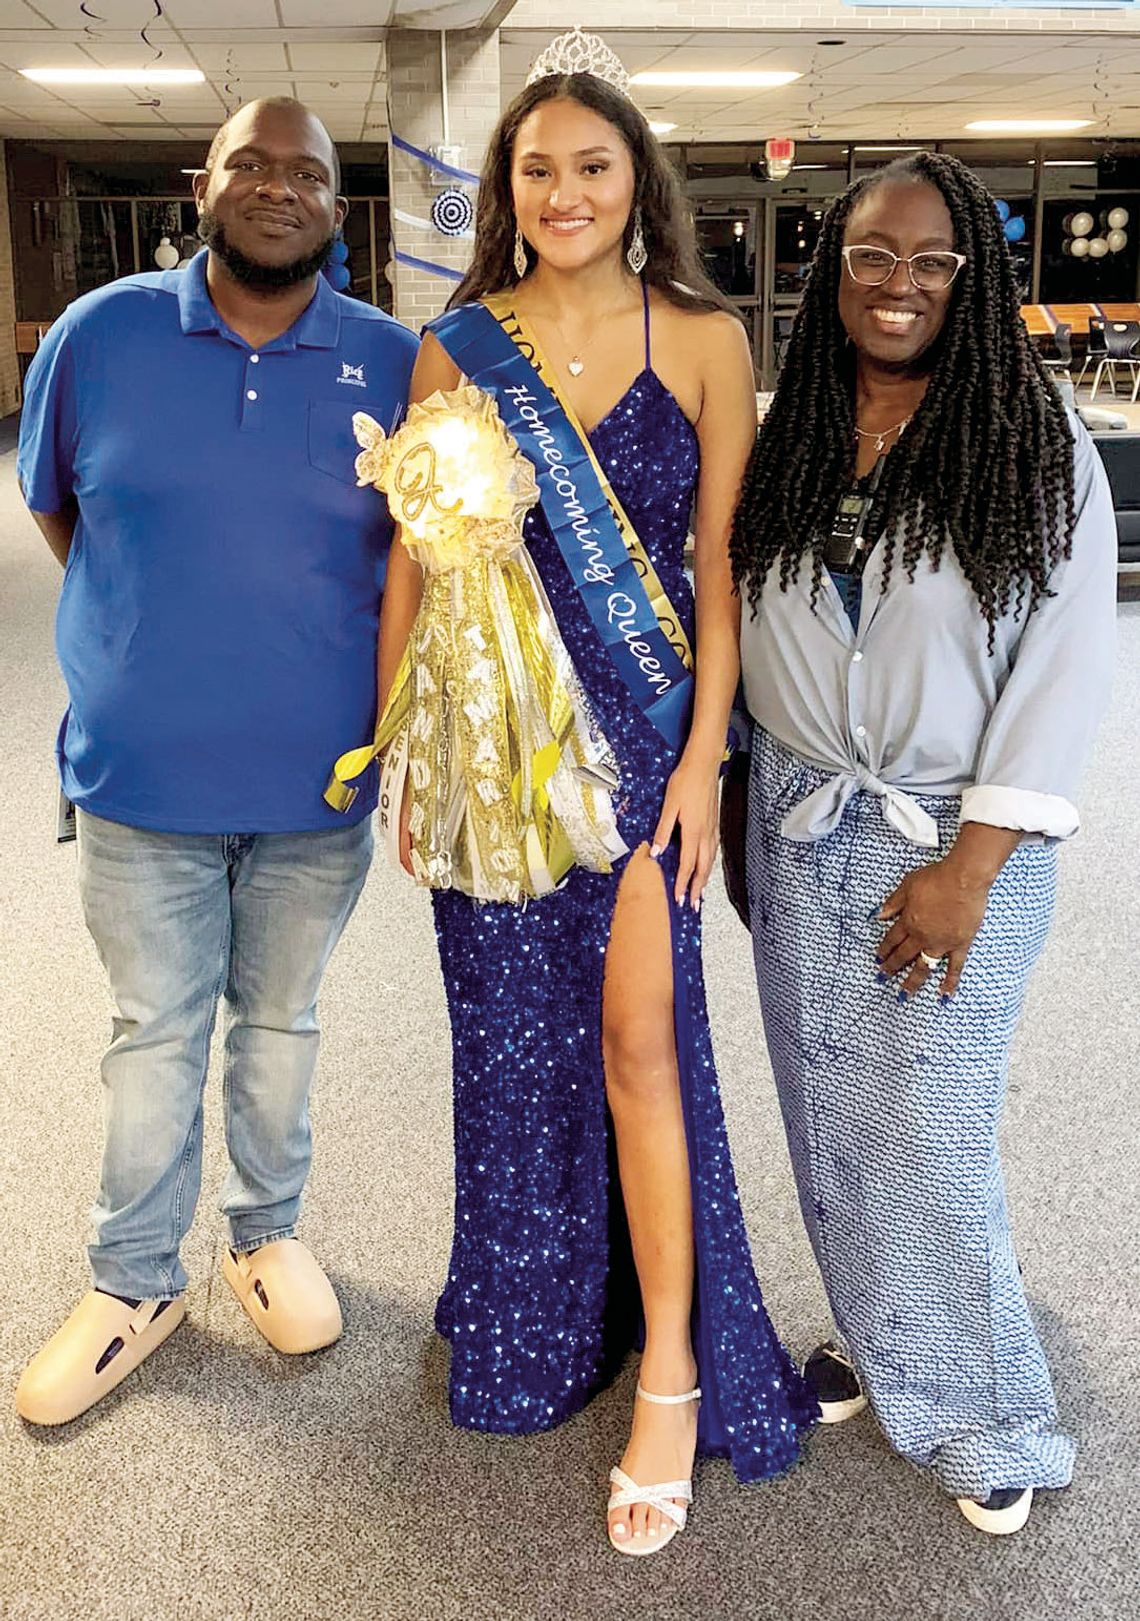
(180, 920)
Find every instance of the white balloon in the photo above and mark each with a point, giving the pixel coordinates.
(1081, 224)
(1079, 247)
(1098, 247)
(1117, 218)
(166, 255)
(1117, 239)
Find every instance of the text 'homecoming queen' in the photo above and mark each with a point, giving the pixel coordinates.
(621, 610)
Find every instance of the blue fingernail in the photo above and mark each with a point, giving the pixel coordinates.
(903, 997)
(881, 979)
(872, 914)
(944, 1000)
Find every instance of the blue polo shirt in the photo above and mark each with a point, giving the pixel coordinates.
(218, 620)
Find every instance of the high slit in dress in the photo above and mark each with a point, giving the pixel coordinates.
(541, 1302)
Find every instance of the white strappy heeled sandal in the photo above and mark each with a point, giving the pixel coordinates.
(658, 1497)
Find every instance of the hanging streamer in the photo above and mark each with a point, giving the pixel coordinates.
(427, 265)
(433, 163)
(418, 223)
(144, 34)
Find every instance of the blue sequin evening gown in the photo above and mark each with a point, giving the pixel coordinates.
(541, 1301)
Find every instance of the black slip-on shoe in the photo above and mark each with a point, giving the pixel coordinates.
(831, 1374)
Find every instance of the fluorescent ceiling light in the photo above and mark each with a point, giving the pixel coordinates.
(1027, 126)
(797, 166)
(733, 80)
(1065, 163)
(895, 148)
(660, 128)
(147, 76)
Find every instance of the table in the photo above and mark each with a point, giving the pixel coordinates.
(1042, 319)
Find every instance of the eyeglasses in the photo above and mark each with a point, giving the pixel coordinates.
(930, 272)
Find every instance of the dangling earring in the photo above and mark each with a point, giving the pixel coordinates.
(636, 256)
(521, 265)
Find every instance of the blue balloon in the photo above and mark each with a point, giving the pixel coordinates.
(1002, 209)
(1014, 229)
(340, 277)
(339, 253)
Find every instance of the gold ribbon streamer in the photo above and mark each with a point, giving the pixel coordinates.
(507, 777)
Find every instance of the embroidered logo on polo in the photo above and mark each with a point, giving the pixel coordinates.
(352, 374)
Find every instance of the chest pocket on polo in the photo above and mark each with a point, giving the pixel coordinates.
(332, 444)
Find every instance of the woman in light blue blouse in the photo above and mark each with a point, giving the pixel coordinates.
(926, 548)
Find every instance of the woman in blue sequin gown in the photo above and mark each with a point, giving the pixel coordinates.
(542, 1300)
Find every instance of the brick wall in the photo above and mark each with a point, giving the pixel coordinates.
(414, 112)
(9, 365)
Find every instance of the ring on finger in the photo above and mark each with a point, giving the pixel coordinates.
(931, 962)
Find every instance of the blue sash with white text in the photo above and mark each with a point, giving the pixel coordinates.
(626, 602)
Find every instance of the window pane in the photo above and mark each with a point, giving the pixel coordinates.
(176, 222)
(728, 248)
(797, 232)
(1079, 278)
(100, 236)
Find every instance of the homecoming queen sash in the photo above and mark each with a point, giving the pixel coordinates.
(494, 346)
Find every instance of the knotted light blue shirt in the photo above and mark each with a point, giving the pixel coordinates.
(913, 701)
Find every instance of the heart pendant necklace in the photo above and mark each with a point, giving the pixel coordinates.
(576, 363)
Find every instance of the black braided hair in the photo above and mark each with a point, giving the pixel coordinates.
(986, 463)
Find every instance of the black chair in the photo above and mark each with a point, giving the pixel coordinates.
(1062, 358)
(1120, 340)
(1096, 347)
(1120, 453)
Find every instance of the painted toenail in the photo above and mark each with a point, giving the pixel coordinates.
(620, 1530)
(652, 1530)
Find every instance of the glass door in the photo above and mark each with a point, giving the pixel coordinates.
(729, 236)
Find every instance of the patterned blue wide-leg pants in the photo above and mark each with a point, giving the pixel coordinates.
(891, 1112)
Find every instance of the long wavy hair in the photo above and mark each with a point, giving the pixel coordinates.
(986, 464)
(673, 267)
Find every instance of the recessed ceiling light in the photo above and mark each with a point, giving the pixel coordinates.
(147, 76)
(697, 80)
(1027, 126)
(660, 128)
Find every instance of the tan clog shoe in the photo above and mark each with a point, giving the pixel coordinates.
(99, 1345)
(287, 1296)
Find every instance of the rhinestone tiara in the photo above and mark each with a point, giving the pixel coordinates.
(577, 52)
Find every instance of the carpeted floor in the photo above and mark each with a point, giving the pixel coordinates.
(224, 1482)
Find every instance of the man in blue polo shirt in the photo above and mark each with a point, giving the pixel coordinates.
(187, 450)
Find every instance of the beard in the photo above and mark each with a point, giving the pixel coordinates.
(252, 273)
